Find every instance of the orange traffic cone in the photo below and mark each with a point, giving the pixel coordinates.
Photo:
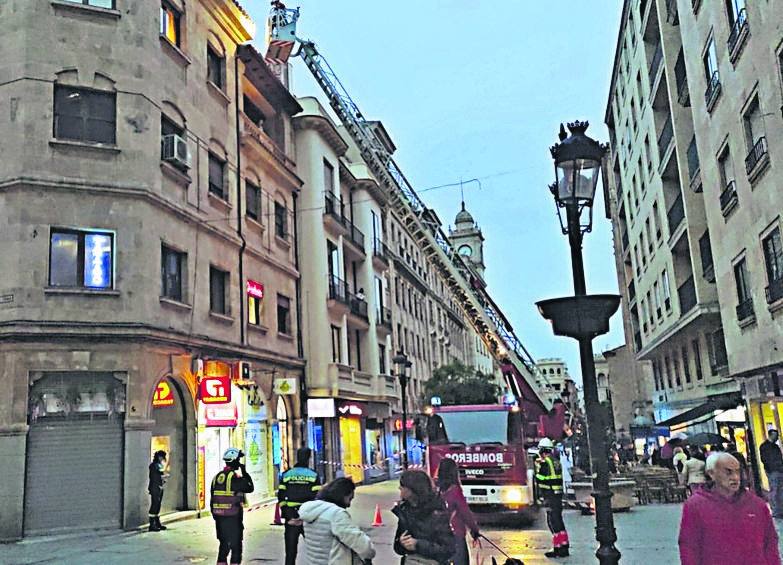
(276, 521)
(377, 521)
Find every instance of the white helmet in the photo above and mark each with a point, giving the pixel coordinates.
(232, 454)
(545, 443)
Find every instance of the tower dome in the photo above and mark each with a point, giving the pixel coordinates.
(463, 216)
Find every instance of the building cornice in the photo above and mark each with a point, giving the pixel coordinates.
(645, 354)
(325, 127)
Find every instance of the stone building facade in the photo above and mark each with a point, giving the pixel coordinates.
(149, 263)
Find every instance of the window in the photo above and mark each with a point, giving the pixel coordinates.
(697, 359)
(650, 238)
(657, 375)
(108, 4)
(252, 111)
(216, 65)
(328, 177)
(754, 126)
(281, 221)
(734, 9)
(668, 366)
(81, 259)
(726, 167)
(648, 153)
(657, 299)
(656, 220)
(676, 367)
(741, 280)
(218, 291)
(686, 364)
(336, 345)
(86, 115)
(667, 297)
(172, 267)
(170, 23)
(252, 200)
(773, 256)
(255, 303)
(283, 315)
(170, 127)
(217, 176)
(710, 61)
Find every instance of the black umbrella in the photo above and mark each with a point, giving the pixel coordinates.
(705, 438)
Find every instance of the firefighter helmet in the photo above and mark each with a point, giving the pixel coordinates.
(545, 443)
(232, 454)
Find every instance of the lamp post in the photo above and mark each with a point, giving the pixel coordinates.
(402, 365)
(578, 162)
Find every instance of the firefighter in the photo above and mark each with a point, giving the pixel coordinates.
(549, 478)
(157, 478)
(228, 493)
(299, 484)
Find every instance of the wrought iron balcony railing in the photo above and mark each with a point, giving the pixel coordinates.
(381, 250)
(333, 207)
(728, 197)
(737, 30)
(358, 305)
(338, 289)
(775, 290)
(354, 233)
(713, 90)
(386, 318)
(756, 154)
(745, 310)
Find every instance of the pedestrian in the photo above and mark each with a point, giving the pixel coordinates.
(772, 459)
(549, 478)
(228, 491)
(298, 485)
(725, 523)
(679, 459)
(423, 535)
(157, 478)
(731, 449)
(462, 518)
(693, 470)
(331, 538)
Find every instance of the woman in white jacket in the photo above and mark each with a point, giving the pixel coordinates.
(330, 537)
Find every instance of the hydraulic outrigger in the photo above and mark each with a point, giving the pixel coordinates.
(485, 316)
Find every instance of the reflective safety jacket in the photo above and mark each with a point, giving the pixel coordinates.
(298, 485)
(549, 475)
(228, 492)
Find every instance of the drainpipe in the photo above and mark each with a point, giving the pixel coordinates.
(299, 344)
(242, 248)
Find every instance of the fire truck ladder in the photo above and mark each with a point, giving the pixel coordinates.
(484, 315)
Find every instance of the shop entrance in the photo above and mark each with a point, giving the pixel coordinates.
(351, 442)
(169, 434)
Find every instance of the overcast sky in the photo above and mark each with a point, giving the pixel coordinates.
(467, 91)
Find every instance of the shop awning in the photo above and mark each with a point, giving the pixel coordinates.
(719, 402)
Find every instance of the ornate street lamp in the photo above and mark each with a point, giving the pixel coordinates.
(578, 163)
(402, 365)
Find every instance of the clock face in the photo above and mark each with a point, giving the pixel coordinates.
(465, 250)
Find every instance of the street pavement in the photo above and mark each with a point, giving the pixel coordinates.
(647, 534)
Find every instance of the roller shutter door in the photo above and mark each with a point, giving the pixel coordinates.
(74, 475)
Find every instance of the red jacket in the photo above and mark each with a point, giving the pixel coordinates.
(461, 516)
(736, 531)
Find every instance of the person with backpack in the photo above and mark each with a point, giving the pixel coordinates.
(461, 517)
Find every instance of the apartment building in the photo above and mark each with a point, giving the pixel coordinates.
(552, 377)
(732, 69)
(149, 275)
(660, 222)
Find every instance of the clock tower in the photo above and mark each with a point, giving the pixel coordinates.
(467, 239)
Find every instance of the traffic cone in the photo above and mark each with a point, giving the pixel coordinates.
(377, 521)
(276, 521)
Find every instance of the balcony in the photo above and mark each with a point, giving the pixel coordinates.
(681, 80)
(665, 140)
(672, 16)
(745, 312)
(687, 295)
(713, 91)
(355, 235)
(251, 131)
(728, 199)
(675, 215)
(694, 167)
(333, 210)
(758, 159)
(381, 252)
(338, 289)
(738, 36)
(655, 65)
(775, 291)
(631, 292)
(358, 306)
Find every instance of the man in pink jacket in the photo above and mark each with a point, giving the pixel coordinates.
(726, 524)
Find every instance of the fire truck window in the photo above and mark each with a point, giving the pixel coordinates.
(515, 433)
(436, 430)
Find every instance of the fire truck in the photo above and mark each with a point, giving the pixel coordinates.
(489, 444)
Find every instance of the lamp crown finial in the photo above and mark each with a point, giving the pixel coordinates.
(578, 127)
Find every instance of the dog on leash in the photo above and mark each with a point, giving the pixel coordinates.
(509, 561)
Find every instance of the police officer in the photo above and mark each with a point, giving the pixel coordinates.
(155, 488)
(299, 484)
(549, 477)
(228, 493)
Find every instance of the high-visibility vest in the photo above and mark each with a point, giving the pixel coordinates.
(225, 502)
(548, 475)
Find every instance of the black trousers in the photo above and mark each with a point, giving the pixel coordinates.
(554, 512)
(292, 534)
(156, 497)
(461, 554)
(229, 534)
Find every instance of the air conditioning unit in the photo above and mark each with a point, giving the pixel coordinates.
(174, 149)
